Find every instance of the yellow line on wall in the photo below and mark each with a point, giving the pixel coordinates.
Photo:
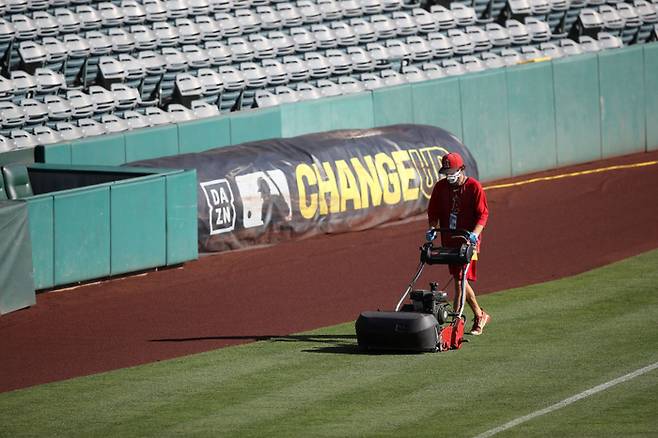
(572, 174)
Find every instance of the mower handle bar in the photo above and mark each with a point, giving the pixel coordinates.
(460, 232)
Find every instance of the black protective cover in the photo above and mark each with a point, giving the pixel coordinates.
(402, 331)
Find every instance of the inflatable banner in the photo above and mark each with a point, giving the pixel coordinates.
(280, 189)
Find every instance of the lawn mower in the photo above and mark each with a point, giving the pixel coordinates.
(428, 323)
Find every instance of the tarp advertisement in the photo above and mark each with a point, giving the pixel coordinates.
(280, 189)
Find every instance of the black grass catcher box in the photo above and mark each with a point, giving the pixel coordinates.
(402, 331)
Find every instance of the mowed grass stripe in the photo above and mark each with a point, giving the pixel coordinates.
(546, 343)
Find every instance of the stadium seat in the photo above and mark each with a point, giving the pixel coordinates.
(518, 33)
(443, 16)
(433, 70)
(306, 91)
(350, 85)
(364, 30)
(461, 42)
(17, 181)
(286, 94)
(480, 38)
(492, 60)
(412, 73)
(325, 37)
(310, 12)
(404, 23)
(464, 15)
(330, 10)
(425, 21)
(385, 26)
(22, 139)
(441, 45)
(36, 112)
(45, 135)
(420, 48)
(361, 59)
(91, 128)
(262, 46)
(328, 88)
(345, 34)
(539, 30)
(613, 23)
(452, 67)
(304, 40)
(632, 22)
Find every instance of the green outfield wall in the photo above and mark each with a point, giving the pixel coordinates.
(515, 120)
(111, 228)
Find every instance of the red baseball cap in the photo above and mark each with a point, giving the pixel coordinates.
(451, 161)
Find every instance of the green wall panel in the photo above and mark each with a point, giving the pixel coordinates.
(393, 105)
(577, 110)
(204, 134)
(106, 150)
(252, 125)
(530, 104)
(304, 117)
(59, 153)
(181, 217)
(138, 229)
(41, 216)
(353, 111)
(438, 103)
(160, 141)
(621, 76)
(485, 122)
(82, 234)
(651, 94)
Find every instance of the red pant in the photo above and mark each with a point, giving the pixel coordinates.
(471, 275)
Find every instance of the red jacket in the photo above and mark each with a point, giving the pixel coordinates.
(468, 201)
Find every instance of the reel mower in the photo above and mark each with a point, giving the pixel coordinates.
(428, 323)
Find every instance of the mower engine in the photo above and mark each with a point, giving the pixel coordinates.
(433, 302)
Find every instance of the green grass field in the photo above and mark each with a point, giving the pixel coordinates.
(546, 343)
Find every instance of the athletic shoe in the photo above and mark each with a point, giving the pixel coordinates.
(480, 322)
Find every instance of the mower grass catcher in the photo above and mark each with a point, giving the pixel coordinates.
(428, 323)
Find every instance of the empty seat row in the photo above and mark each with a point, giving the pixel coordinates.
(29, 137)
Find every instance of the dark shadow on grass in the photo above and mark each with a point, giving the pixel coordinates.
(274, 338)
(332, 344)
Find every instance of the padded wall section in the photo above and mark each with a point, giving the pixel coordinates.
(107, 150)
(59, 153)
(621, 76)
(41, 213)
(577, 109)
(486, 125)
(181, 217)
(82, 234)
(531, 117)
(393, 105)
(327, 114)
(16, 284)
(201, 135)
(255, 125)
(138, 225)
(160, 141)
(438, 103)
(651, 94)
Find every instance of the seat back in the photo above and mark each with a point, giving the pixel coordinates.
(17, 181)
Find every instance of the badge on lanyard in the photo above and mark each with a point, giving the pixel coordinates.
(454, 211)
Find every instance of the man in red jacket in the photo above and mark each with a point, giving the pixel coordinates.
(459, 202)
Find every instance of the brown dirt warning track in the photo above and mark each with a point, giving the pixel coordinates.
(537, 232)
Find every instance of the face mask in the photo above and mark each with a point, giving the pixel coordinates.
(454, 178)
